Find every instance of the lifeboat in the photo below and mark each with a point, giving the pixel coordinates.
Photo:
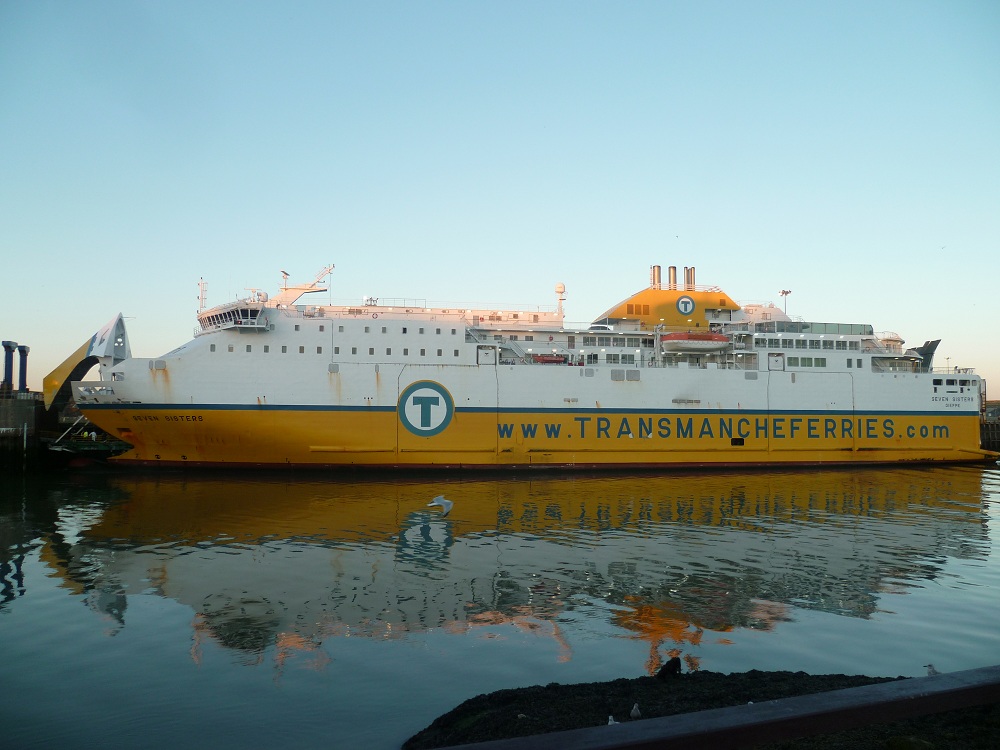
(550, 359)
(689, 341)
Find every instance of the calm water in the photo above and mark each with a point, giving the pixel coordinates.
(163, 611)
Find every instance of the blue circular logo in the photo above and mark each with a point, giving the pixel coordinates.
(425, 408)
(685, 305)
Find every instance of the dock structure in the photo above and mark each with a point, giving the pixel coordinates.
(991, 427)
(777, 720)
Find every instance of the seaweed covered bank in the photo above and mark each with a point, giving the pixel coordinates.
(553, 708)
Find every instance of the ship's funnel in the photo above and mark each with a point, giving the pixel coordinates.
(672, 277)
(654, 281)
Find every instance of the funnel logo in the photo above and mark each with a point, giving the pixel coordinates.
(425, 408)
(685, 305)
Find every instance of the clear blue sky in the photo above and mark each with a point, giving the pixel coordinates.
(483, 152)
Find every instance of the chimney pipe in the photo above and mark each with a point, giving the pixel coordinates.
(672, 277)
(655, 281)
(22, 379)
(8, 366)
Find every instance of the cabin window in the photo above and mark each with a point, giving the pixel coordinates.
(296, 326)
(406, 352)
(383, 329)
(336, 350)
(858, 363)
(827, 344)
(850, 362)
(421, 330)
(368, 329)
(249, 348)
(628, 359)
(437, 331)
(440, 352)
(284, 350)
(854, 345)
(404, 329)
(456, 352)
(841, 346)
(613, 359)
(590, 341)
(787, 344)
(371, 351)
(302, 350)
(354, 350)
(454, 331)
(800, 343)
(793, 361)
(513, 337)
(388, 351)
(807, 361)
(322, 328)
(604, 341)
(340, 329)
(820, 362)
(814, 343)
(230, 347)
(423, 352)
(591, 360)
(266, 348)
(319, 349)
(212, 348)
(529, 338)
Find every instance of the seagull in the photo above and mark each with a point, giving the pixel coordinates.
(445, 504)
(611, 720)
(931, 671)
(636, 713)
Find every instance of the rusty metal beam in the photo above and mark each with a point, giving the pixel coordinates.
(777, 720)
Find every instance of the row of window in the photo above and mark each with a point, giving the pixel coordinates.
(336, 350)
(812, 362)
(632, 341)
(762, 343)
(797, 326)
(385, 329)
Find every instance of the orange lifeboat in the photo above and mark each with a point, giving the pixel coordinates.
(690, 341)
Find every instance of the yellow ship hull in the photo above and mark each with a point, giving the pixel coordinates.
(483, 438)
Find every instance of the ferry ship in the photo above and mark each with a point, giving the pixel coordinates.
(676, 375)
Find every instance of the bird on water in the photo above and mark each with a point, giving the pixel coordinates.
(443, 502)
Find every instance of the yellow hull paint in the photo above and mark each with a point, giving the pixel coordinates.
(324, 437)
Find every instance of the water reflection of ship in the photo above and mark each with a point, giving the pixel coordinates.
(272, 563)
